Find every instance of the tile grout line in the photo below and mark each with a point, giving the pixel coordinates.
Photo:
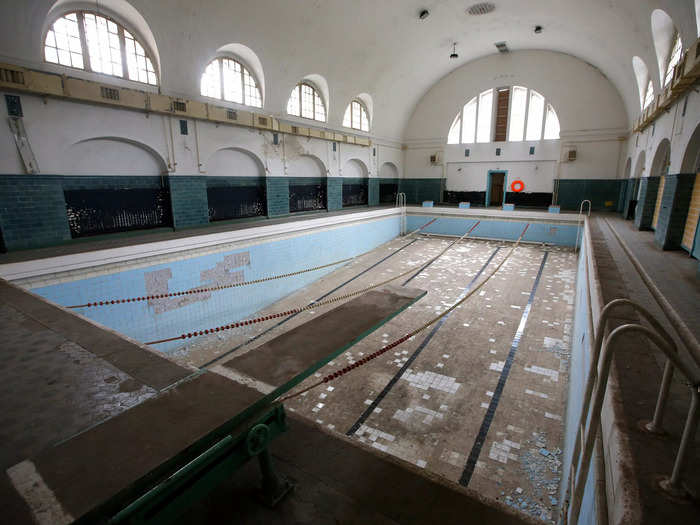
(354, 428)
(493, 405)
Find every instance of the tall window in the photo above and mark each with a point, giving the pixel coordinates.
(89, 41)
(649, 95)
(673, 59)
(306, 102)
(483, 123)
(227, 79)
(517, 114)
(356, 116)
(529, 117)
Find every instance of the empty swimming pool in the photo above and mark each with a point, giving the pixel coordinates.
(478, 398)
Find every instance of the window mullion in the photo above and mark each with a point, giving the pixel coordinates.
(243, 101)
(221, 77)
(527, 113)
(83, 41)
(122, 49)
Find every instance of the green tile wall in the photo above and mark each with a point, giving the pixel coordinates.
(188, 198)
(598, 191)
(419, 190)
(644, 213)
(675, 202)
(335, 193)
(277, 196)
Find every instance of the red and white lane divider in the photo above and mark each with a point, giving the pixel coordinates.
(310, 306)
(366, 359)
(226, 286)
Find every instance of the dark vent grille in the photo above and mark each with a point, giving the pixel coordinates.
(11, 76)
(355, 194)
(231, 114)
(179, 106)
(295, 129)
(482, 8)
(262, 121)
(109, 93)
(94, 212)
(502, 47)
(307, 196)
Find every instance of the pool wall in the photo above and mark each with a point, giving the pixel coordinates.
(578, 375)
(560, 234)
(152, 320)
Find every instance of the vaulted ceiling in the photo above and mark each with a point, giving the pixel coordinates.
(379, 47)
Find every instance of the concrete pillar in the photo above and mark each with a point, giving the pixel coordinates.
(644, 214)
(675, 203)
(335, 193)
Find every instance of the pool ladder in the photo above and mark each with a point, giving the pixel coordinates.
(401, 204)
(596, 384)
(580, 216)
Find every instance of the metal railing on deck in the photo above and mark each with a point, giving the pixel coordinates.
(596, 384)
(401, 203)
(580, 216)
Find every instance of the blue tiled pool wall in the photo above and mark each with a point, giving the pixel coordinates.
(173, 316)
(578, 374)
(557, 234)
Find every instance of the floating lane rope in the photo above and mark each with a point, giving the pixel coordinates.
(227, 286)
(403, 339)
(309, 306)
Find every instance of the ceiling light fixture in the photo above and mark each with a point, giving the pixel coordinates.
(424, 13)
(454, 52)
(538, 29)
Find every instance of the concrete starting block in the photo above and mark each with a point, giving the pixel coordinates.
(465, 205)
(427, 204)
(509, 207)
(554, 209)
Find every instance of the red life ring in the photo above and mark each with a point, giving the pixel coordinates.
(517, 186)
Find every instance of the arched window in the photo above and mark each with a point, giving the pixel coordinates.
(516, 112)
(305, 101)
(227, 79)
(649, 95)
(90, 41)
(673, 59)
(356, 116)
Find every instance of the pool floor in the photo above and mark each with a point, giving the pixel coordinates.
(480, 400)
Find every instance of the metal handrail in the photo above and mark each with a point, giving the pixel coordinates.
(580, 214)
(401, 203)
(596, 386)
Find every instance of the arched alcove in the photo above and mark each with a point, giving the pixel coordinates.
(355, 168)
(660, 163)
(691, 157)
(308, 184)
(388, 170)
(234, 162)
(112, 156)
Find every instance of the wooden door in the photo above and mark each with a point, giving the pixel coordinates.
(497, 183)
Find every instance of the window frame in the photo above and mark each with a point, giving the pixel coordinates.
(650, 89)
(316, 92)
(85, 51)
(668, 76)
(477, 104)
(363, 107)
(222, 91)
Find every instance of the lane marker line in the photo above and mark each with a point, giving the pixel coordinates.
(413, 357)
(493, 405)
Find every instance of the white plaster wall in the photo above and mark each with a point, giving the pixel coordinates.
(591, 114)
(671, 125)
(62, 135)
(471, 176)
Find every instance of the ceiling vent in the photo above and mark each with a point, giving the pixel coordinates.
(502, 47)
(482, 8)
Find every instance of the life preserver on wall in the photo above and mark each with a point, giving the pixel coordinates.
(517, 186)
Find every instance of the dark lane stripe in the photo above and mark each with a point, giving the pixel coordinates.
(491, 411)
(420, 348)
(218, 358)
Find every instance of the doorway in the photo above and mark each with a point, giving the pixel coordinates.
(495, 189)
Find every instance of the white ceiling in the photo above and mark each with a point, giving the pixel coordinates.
(377, 47)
